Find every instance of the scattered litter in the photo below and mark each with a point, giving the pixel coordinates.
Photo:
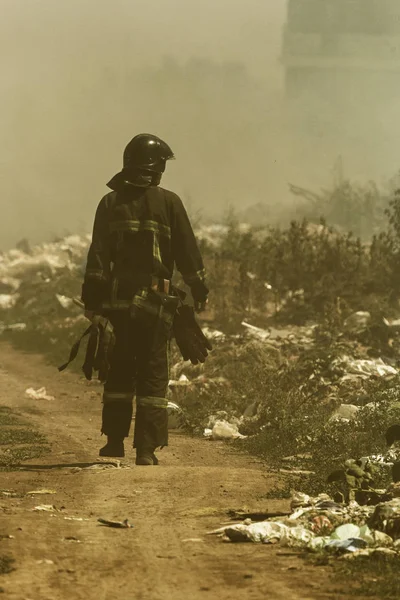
(213, 334)
(45, 508)
(45, 561)
(8, 301)
(256, 516)
(345, 412)
(346, 545)
(265, 532)
(260, 334)
(222, 430)
(75, 519)
(71, 538)
(15, 327)
(106, 466)
(118, 524)
(9, 493)
(41, 492)
(195, 540)
(319, 523)
(65, 302)
(40, 394)
(358, 322)
(363, 368)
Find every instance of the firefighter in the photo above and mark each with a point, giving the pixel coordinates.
(140, 232)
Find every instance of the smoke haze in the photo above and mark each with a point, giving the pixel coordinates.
(81, 77)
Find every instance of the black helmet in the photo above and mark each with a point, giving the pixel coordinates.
(148, 152)
(144, 161)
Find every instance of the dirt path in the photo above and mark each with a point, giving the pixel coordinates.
(166, 554)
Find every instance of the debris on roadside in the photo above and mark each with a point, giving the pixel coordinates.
(8, 301)
(223, 430)
(45, 561)
(65, 302)
(117, 524)
(39, 394)
(319, 523)
(363, 368)
(41, 492)
(45, 508)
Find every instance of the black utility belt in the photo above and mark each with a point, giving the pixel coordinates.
(147, 281)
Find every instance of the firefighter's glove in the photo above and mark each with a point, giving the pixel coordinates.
(189, 337)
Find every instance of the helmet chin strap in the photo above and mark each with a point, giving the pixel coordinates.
(142, 177)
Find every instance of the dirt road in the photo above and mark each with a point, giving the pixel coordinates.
(166, 555)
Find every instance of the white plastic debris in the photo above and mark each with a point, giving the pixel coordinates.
(257, 332)
(45, 508)
(264, 532)
(345, 412)
(65, 302)
(40, 394)
(223, 430)
(357, 322)
(8, 301)
(9, 284)
(213, 334)
(345, 532)
(16, 327)
(296, 536)
(364, 368)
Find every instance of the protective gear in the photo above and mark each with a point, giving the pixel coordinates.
(92, 317)
(98, 350)
(139, 234)
(144, 162)
(146, 459)
(189, 337)
(114, 448)
(141, 231)
(139, 366)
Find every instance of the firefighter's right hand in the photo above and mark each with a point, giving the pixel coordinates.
(200, 306)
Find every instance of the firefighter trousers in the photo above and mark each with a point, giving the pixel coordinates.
(138, 367)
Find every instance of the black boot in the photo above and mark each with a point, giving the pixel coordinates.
(114, 448)
(146, 458)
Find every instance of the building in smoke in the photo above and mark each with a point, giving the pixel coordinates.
(342, 75)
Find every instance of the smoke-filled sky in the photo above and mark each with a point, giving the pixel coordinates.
(79, 78)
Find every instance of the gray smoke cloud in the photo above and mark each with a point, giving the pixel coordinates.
(81, 77)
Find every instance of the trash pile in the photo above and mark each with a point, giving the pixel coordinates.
(341, 379)
(319, 523)
(36, 280)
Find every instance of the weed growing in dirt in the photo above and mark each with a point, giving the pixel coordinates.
(375, 576)
(13, 435)
(6, 563)
(7, 417)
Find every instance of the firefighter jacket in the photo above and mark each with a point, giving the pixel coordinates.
(139, 233)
